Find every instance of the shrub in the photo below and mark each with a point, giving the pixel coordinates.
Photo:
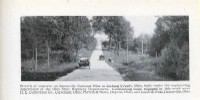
(175, 62)
(183, 64)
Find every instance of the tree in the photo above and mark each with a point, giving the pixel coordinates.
(58, 33)
(116, 27)
(169, 28)
(136, 44)
(171, 41)
(98, 22)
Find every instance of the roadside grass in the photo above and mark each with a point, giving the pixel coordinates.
(48, 74)
(55, 70)
(138, 68)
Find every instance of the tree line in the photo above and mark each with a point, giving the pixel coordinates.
(55, 34)
(117, 28)
(171, 42)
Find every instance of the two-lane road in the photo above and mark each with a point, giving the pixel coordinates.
(99, 70)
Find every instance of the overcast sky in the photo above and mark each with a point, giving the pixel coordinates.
(142, 24)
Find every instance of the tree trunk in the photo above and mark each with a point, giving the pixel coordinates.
(76, 55)
(109, 42)
(118, 48)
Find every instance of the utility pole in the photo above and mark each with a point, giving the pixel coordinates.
(156, 54)
(48, 50)
(142, 47)
(127, 48)
(119, 46)
(35, 58)
(91, 23)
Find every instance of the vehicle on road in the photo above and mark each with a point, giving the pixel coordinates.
(84, 62)
(101, 57)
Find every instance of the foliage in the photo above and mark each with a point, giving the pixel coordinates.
(98, 22)
(116, 27)
(136, 44)
(171, 41)
(64, 34)
(169, 28)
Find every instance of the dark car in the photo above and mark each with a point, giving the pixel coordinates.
(84, 62)
(101, 57)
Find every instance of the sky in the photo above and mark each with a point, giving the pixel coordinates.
(142, 24)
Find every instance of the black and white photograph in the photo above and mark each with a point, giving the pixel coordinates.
(105, 48)
(99, 49)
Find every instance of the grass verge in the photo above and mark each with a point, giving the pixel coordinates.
(138, 67)
(43, 73)
(48, 74)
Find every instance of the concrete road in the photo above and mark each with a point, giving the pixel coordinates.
(99, 70)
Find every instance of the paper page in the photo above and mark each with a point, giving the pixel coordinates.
(84, 49)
